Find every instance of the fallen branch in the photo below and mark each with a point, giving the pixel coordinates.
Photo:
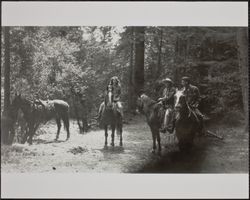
(214, 135)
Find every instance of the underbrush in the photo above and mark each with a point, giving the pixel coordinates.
(9, 153)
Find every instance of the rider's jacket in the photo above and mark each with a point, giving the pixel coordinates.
(117, 92)
(192, 94)
(168, 96)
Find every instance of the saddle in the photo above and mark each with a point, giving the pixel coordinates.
(46, 105)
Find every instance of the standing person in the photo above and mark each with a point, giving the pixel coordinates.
(168, 101)
(193, 98)
(115, 84)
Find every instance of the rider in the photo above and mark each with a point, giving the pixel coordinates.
(193, 99)
(168, 101)
(116, 87)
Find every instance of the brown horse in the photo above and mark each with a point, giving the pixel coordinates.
(37, 112)
(154, 113)
(111, 117)
(187, 124)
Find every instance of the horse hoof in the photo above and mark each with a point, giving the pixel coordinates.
(121, 144)
(153, 151)
(112, 144)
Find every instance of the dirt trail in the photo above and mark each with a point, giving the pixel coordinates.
(86, 153)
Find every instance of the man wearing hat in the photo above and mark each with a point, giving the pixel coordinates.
(168, 101)
(193, 98)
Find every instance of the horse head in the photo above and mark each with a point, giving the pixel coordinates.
(20, 102)
(109, 97)
(143, 103)
(17, 102)
(139, 103)
(180, 103)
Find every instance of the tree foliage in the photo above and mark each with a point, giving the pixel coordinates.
(75, 63)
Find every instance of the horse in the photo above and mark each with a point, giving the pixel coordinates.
(187, 124)
(111, 117)
(8, 121)
(37, 112)
(154, 113)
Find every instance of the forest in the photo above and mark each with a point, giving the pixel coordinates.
(75, 64)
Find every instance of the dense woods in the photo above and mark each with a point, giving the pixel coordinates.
(75, 64)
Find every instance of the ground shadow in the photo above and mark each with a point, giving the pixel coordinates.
(112, 150)
(174, 161)
(41, 141)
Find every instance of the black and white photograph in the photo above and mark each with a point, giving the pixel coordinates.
(124, 99)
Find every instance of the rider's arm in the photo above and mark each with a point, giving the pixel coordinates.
(197, 98)
(167, 98)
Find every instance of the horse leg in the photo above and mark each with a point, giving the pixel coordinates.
(66, 125)
(58, 122)
(154, 140)
(27, 132)
(113, 136)
(32, 133)
(120, 129)
(106, 135)
(158, 137)
(11, 135)
(24, 139)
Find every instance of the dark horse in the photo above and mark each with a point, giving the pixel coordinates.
(187, 124)
(111, 117)
(37, 112)
(154, 113)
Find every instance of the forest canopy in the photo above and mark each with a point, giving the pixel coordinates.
(75, 64)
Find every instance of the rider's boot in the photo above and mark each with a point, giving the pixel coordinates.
(171, 128)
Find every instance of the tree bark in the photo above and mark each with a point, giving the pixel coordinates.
(242, 40)
(131, 95)
(159, 66)
(7, 69)
(176, 60)
(139, 59)
(6, 118)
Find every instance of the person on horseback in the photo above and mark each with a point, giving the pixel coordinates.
(115, 84)
(168, 101)
(193, 98)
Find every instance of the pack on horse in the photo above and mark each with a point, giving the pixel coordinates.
(37, 112)
(154, 113)
(110, 116)
(186, 123)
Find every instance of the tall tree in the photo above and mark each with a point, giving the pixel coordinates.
(131, 95)
(6, 69)
(139, 58)
(242, 40)
(159, 64)
(6, 120)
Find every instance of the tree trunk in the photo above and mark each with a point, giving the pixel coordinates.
(6, 119)
(242, 40)
(7, 69)
(176, 61)
(131, 95)
(159, 67)
(139, 59)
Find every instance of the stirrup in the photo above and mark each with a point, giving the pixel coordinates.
(170, 130)
(163, 130)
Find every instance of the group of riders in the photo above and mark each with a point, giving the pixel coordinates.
(190, 91)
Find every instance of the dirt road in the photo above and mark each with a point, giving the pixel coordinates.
(86, 152)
